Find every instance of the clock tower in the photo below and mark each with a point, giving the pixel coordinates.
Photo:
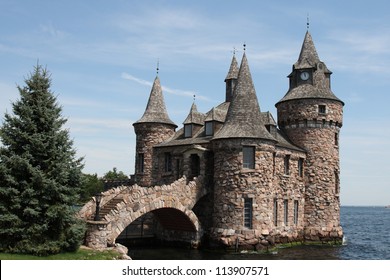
(312, 116)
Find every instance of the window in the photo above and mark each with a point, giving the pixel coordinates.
(141, 163)
(300, 167)
(296, 207)
(188, 130)
(287, 165)
(336, 139)
(273, 163)
(209, 128)
(248, 212)
(285, 204)
(248, 157)
(337, 182)
(275, 211)
(177, 168)
(322, 109)
(167, 162)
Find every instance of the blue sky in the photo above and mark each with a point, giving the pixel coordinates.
(103, 57)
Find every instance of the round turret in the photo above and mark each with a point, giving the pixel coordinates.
(153, 128)
(311, 116)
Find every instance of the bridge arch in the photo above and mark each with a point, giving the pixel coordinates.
(171, 204)
(171, 214)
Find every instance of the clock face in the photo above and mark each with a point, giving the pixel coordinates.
(305, 75)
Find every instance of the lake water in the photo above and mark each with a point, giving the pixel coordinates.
(366, 234)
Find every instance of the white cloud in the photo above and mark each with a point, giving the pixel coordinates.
(169, 90)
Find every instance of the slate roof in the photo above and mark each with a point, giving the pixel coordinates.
(218, 113)
(308, 59)
(233, 70)
(194, 117)
(156, 111)
(243, 119)
(245, 108)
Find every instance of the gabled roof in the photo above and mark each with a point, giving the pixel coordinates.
(268, 119)
(233, 70)
(243, 119)
(218, 113)
(194, 117)
(156, 111)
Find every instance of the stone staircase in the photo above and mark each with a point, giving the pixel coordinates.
(110, 205)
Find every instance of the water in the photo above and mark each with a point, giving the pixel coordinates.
(366, 234)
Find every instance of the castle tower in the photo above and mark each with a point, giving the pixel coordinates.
(154, 127)
(311, 116)
(243, 155)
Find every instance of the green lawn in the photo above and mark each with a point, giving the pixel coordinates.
(81, 254)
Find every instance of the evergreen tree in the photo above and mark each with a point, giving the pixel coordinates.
(40, 176)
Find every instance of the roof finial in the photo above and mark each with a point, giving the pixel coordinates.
(194, 97)
(158, 64)
(307, 22)
(244, 47)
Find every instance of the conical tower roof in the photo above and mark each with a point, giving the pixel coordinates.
(156, 111)
(233, 70)
(308, 56)
(320, 86)
(243, 119)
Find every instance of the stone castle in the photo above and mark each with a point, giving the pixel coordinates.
(268, 181)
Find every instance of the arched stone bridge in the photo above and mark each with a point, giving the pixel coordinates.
(171, 204)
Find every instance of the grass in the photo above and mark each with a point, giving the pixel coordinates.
(81, 254)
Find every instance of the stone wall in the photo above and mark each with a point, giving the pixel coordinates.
(264, 184)
(318, 134)
(148, 135)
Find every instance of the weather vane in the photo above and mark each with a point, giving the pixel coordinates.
(307, 22)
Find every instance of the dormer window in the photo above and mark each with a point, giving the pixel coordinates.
(209, 128)
(188, 130)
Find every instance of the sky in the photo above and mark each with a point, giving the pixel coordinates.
(103, 55)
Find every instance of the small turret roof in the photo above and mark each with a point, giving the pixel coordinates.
(233, 70)
(194, 117)
(156, 111)
(243, 119)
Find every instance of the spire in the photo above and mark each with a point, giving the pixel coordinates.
(156, 111)
(231, 78)
(233, 70)
(308, 58)
(243, 119)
